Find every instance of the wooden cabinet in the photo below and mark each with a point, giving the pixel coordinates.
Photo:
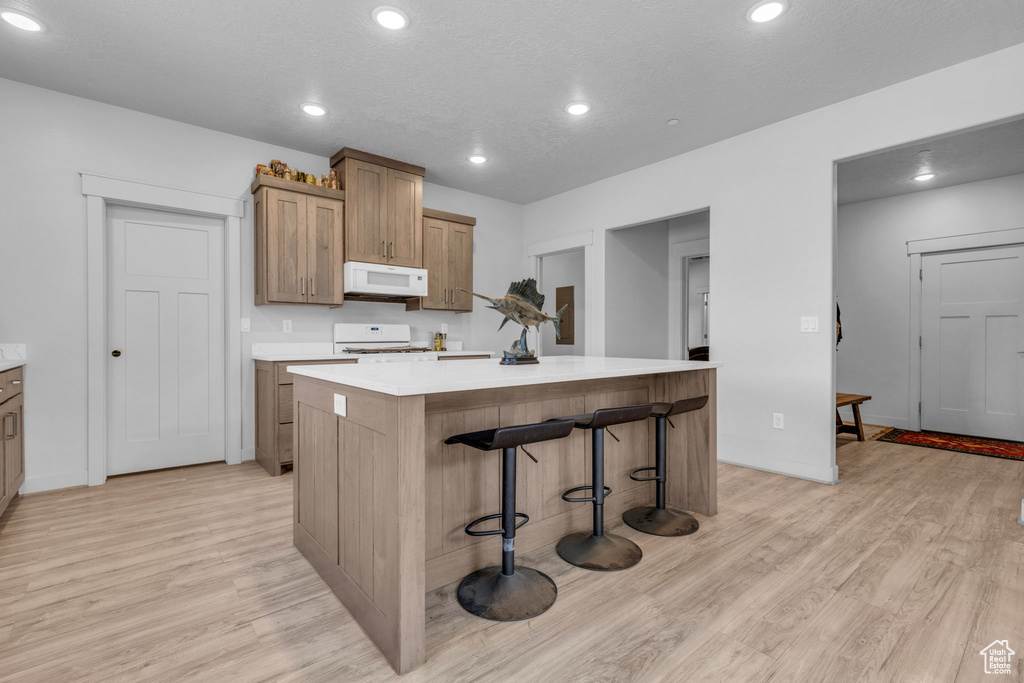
(383, 208)
(275, 412)
(12, 435)
(448, 258)
(299, 243)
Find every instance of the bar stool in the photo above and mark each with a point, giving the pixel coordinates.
(658, 519)
(508, 592)
(595, 549)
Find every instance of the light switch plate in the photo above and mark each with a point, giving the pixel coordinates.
(287, 325)
(246, 325)
(809, 323)
(777, 422)
(340, 405)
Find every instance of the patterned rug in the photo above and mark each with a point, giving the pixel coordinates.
(1012, 450)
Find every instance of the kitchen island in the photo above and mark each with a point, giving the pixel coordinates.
(381, 503)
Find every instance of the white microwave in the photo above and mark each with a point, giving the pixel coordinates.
(384, 280)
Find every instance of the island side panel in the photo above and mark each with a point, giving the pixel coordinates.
(692, 462)
(463, 483)
(360, 477)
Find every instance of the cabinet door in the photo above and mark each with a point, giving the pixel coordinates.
(324, 233)
(435, 260)
(286, 246)
(460, 266)
(405, 219)
(366, 212)
(13, 413)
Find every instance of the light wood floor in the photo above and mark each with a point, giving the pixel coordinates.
(902, 573)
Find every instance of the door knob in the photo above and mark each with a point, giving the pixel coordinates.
(116, 353)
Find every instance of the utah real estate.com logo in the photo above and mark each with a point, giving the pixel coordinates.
(997, 657)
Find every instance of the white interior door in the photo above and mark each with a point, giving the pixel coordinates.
(166, 319)
(972, 355)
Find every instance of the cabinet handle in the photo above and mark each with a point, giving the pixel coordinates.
(446, 295)
(16, 381)
(312, 286)
(384, 249)
(392, 250)
(303, 281)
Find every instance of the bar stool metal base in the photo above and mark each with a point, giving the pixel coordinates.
(606, 553)
(660, 521)
(490, 594)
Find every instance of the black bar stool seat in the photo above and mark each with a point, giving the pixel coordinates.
(508, 592)
(658, 519)
(596, 549)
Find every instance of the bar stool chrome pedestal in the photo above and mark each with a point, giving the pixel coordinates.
(659, 519)
(508, 592)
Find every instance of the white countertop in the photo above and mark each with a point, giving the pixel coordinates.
(299, 357)
(12, 356)
(410, 379)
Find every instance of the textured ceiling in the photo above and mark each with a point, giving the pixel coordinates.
(981, 154)
(493, 77)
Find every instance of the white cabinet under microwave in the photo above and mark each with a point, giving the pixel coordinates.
(384, 280)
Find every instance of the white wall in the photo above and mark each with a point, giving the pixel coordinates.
(47, 138)
(874, 272)
(636, 286)
(564, 270)
(770, 192)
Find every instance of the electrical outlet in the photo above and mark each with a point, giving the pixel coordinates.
(287, 325)
(777, 421)
(809, 323)
(246, 325)
(340, 405)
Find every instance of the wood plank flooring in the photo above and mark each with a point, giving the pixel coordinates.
(902, 573)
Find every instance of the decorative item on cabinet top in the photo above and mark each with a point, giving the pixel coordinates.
(279, 169)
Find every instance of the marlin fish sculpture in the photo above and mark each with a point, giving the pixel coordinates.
(523, 305)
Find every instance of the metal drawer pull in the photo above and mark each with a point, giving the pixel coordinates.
(392, 250)
(303, 287)
(312, 285)
(16, 381)
(384, 249)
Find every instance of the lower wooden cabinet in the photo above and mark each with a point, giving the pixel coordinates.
(274, 412)
(12, 435)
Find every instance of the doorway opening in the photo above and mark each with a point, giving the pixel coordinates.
(562, 280)
(929, 278)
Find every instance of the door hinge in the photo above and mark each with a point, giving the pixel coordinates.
(918, 407)
(920, 274)
(920, 342)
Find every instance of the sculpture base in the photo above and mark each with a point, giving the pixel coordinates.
(519, 360)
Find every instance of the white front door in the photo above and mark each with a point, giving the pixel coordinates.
(166, 316)
(972, 365)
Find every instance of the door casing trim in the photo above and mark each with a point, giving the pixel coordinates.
(101, 191)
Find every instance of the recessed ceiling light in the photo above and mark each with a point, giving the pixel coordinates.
(672, 122)
(577, 108)
(20, 20)
(477, 158)
(923, 177)
(391, 17)
(767, 10)
(313, 109)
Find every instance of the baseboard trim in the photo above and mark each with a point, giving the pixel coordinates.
(54, 482)
(819, 475)
(248, 454)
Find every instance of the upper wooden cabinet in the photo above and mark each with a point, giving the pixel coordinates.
(448, 258)
(299, 243)
(383, 208)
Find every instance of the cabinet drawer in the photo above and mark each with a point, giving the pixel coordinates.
(284, 403)
(10, 383)
(284, 443)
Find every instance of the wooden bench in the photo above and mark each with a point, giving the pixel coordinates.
(858, 426)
